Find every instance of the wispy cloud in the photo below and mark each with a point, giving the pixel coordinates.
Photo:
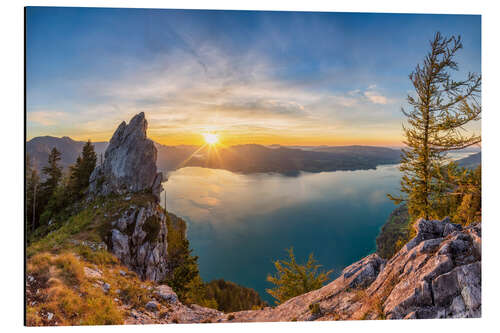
(375, 97)
(206, 88)
(47, 118)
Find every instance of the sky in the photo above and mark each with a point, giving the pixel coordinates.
(290, 78)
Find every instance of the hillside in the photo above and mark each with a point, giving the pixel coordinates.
(436, 275)
(470, 161)
(395, 233)
(39, 148)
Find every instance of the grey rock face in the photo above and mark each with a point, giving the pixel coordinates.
(129, 162)
(364, 271)
(139, 239)
(442, 257)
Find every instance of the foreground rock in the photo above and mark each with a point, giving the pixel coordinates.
(436, 275)
(129, 164)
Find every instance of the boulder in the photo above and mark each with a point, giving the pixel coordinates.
(166, 293)
(152, 306)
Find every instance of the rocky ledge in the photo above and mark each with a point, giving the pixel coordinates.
(436, 275)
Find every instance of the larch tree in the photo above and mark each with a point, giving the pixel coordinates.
(438, 111)
(293, 279)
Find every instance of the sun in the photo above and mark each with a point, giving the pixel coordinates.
(211, 138)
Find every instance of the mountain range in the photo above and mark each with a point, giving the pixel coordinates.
(248, 158)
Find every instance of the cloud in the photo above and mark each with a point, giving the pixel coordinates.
(47, 117)
(375, 97)
(235, 94)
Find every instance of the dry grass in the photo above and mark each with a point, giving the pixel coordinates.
(61, 294)
(374, 305)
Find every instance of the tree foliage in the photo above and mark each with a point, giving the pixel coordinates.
(32, 195)
(439, 110)
(81, 170)
(463, 200)
(293, 279)
(53, 174)
(231, 297)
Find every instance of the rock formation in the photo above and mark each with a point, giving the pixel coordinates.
(138, 237)
(138, 234)
(436, 275)
(129, 164)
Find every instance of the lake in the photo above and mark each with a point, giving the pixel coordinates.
(238, 224)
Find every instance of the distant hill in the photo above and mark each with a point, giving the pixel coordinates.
(249, 158)
(470, 161)
(252, 158)
(39, 148)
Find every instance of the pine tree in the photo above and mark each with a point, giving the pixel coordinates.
(293, 279)
(80, 172)
(438, 113)
(53, 174)
(32, 195)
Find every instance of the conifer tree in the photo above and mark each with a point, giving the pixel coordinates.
(53, 173)
(293, 279)
(439, 110)
(32, 195)
(80, 172)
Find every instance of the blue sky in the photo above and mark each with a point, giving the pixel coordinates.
(264, 77)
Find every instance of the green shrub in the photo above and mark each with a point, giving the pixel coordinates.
(293, 279)
(315, 309)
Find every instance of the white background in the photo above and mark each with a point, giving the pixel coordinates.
(12, 155)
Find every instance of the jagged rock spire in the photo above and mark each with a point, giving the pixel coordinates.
(129, 164)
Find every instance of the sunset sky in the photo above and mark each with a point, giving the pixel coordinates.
(252, 77)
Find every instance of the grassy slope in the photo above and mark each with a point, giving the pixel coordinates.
(56, 264)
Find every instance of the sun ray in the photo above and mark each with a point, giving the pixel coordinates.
(183, 163)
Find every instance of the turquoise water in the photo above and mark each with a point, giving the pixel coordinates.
(238, 224)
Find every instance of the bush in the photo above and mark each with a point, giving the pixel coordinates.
(315, 309)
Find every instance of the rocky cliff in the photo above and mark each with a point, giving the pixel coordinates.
(137, 235)
(129, 164)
